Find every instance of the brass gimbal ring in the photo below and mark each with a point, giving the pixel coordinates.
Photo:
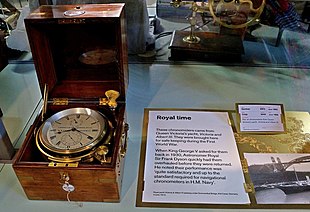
(243, 8)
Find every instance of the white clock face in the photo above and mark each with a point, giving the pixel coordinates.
(73, 130)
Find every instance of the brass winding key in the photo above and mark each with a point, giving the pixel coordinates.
(112, 95)
(101, 153)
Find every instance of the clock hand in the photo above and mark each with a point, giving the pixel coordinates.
(59, 132)
(71, 138)
(88, 136)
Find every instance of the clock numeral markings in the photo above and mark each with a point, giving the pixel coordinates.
(73, 131)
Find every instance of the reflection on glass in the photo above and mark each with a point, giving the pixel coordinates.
(274, 32)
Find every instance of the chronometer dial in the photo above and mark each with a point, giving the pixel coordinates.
(73, 130)
(69, 140)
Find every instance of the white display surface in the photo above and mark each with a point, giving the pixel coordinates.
(164, 86)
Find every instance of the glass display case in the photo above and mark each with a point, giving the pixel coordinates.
(266, 61)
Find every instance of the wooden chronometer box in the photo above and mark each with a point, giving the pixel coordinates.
(79, 52)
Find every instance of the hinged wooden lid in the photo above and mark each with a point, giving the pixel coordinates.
(79, 51)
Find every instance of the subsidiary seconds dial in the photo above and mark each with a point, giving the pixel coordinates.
(73, 130)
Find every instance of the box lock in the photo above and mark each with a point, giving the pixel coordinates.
(66, 186)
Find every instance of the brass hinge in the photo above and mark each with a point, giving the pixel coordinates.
(103, 101)
(60, 101)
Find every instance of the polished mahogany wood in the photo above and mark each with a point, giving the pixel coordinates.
(58, 42)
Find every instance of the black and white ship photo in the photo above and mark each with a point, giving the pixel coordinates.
(280, 178)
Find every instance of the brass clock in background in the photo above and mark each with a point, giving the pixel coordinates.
(73, 134)
(98, 57)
